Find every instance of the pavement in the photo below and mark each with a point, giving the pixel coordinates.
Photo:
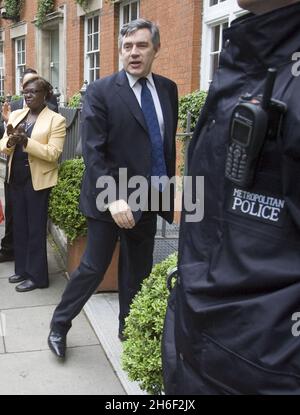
(27, 367)
(93, 364)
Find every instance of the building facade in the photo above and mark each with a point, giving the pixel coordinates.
(75, 44)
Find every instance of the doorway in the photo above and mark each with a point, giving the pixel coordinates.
(54, 58)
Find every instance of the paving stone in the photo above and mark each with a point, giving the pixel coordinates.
(28, 329)
(10, 298)
(86, 371)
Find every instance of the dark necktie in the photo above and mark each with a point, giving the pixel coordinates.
(158, 162)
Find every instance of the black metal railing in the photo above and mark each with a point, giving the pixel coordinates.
(72, 116)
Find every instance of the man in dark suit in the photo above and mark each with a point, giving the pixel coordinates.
(129, 122)
(7, 247)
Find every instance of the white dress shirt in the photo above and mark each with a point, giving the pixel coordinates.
(137, 89)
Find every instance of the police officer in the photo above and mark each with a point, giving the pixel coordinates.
(238, 287)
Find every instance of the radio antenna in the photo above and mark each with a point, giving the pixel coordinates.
(269, 85)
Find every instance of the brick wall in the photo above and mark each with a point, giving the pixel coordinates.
(74, 48)
(180, 27)
(179, 23)
(109, 27)
(27, 15)
(179, 59)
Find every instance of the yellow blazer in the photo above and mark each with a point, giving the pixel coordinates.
(43, 148)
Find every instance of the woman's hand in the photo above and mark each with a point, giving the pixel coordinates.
(6, 111)
(16, 136)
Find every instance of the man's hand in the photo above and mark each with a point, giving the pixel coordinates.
(122, 214)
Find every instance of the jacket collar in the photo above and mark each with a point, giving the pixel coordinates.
(22, 114)
(266, 40)
(129, 98)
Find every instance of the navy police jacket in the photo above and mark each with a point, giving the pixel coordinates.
(238, 289)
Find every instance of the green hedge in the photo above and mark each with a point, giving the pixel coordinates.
(64, 199)
(192, 103)
(144, 326)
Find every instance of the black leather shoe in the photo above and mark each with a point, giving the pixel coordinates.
(26, 285)
(6, 257)
(57, 343)
(16, 278)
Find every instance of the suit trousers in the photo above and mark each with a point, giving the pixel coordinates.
(30, 213)
(7, 246)
(135, 263)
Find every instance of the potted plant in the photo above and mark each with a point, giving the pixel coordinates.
(144, 326)
(64, 212)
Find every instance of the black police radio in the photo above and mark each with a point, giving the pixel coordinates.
(254, 120)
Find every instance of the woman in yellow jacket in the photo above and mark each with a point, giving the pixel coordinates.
(34, 140)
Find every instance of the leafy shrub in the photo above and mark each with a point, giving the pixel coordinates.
(83, 4)
(64, 199)
(74, 101)
(142, 350)
(13, 7)
(16, 97)
(44, 7)
(192, 103)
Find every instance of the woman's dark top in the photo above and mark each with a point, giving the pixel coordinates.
(20, 170)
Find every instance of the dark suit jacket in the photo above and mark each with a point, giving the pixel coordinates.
(115, 135)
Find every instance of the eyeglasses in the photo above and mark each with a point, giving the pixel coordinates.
(31, 91)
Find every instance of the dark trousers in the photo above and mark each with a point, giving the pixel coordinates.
(136, 259)
(30, 212)
(7, 241)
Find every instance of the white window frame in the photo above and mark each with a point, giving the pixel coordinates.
(225, 11)
(19, 65)
(87, 53)
(129, 3)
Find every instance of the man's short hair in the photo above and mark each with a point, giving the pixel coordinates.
(27, 71)
(131, 27)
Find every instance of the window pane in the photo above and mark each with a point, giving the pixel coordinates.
(134, 10)
(91, 76)
(89, 43)
(96, 41)
(126, 15)
(96, 24)
(92, 59)
(216, 39)
(214, 2)
(215, 63)
(90, 26)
